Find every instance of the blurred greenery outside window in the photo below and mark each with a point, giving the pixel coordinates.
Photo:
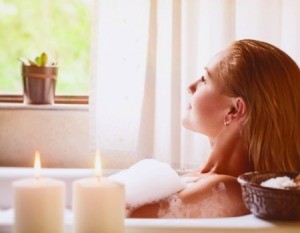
(61, 28)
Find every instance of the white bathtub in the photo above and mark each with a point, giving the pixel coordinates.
(248, 223)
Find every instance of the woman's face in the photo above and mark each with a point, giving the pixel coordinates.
(207, 109)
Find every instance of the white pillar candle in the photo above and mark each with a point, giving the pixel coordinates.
(98, 205)
(39, 205)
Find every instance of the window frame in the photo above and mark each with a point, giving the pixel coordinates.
(15, 96)
(59, 99)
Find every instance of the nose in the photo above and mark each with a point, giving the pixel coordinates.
(192, 88)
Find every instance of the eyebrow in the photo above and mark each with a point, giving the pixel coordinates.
(205, 68)
(209, 74)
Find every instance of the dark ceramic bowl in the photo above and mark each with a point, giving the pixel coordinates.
(270, 203)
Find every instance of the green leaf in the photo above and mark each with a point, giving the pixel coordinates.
(24, 61)
(32, 63)
(38, 61)
(43, 59)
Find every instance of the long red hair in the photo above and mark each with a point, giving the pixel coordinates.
(269, 82)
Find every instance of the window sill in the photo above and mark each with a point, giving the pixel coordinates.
(54, 107)
(59, 99)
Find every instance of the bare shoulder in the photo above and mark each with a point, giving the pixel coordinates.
(220, 194)
(210, 196)
(213, 182)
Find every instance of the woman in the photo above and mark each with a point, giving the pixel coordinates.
(248, 104)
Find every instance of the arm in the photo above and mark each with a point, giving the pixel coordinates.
(213, 196)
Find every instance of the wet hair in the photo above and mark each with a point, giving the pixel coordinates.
(269, 82)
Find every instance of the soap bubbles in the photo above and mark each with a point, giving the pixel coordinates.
(148, 181)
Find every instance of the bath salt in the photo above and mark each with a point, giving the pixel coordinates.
(147, 181)
(279, 182)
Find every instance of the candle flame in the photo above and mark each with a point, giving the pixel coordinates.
(37, 165)
(98, 165)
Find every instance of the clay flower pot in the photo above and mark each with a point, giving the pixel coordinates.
(39, 84)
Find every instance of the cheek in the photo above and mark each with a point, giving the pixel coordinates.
(205, 116)
(203, 109)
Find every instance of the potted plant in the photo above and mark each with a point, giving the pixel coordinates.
(39, 80)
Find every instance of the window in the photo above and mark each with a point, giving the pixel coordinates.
(63, 29)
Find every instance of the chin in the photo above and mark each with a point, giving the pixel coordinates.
(184, 122)
(187, 125)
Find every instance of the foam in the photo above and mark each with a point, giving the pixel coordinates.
(209, 207)
(148, 181)
(175, 210)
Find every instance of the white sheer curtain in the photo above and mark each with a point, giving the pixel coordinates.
(145, 54)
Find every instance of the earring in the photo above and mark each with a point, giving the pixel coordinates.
(226, 123)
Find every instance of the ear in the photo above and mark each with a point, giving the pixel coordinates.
(236, 112)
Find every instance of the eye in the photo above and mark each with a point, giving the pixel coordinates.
(203, 80)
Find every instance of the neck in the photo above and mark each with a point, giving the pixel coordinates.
(229, 154)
